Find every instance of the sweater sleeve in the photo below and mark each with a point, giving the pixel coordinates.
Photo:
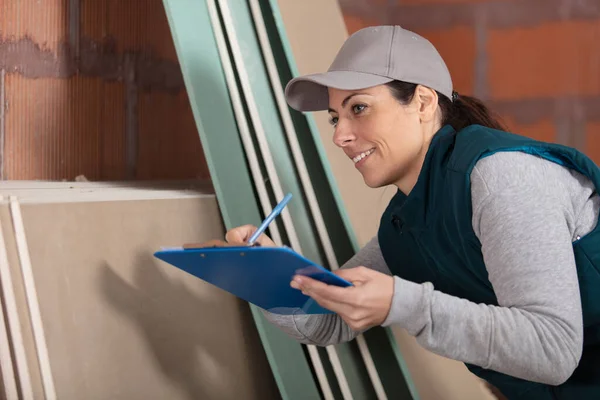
(329, 329)
(524, 223)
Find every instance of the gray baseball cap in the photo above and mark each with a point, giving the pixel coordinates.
(373, 56)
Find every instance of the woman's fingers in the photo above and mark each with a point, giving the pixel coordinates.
(242, 234)
(365, 304)
(238, 236)
(314, 288)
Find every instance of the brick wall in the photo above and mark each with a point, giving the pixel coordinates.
(93, 87)
(537, 62)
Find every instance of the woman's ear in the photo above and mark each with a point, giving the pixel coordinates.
(427, 103)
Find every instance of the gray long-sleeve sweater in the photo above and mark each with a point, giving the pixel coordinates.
(526, 213)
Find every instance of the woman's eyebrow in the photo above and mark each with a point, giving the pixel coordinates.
(345, 101)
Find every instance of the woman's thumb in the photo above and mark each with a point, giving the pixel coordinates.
(241, 234)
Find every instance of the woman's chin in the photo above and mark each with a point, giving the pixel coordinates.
(373, 182)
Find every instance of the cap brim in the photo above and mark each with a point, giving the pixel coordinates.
(309, 92)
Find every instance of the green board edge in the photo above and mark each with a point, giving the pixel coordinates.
(290, 64)
(381, 341)
(273, 128)
(348, 353)
(202, 71)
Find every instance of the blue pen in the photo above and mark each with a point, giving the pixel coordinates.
(276, 211)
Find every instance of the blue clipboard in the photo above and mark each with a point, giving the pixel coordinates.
(258, 275)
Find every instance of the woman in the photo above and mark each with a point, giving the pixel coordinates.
(489, 253)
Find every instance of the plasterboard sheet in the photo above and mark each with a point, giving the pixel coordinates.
(24, 343)
(47, 192)
(119, 324)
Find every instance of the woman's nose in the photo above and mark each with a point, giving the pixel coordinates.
(343, 135)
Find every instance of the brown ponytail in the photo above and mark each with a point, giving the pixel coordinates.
(459, 113)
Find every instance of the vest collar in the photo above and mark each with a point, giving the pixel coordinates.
(413, 211)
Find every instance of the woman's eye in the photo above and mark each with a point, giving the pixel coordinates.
(358, 108)
(333, 121)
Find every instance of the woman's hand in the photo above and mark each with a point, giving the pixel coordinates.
(362, 306)
(242, 234)
(235, 237)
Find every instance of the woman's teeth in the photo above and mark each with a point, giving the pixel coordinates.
(362, 155)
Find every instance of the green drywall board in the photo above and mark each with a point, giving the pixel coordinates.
(348, 353)
(305, 123)
(204, 79)
(382, 345)
(272, 125)
(391, 378)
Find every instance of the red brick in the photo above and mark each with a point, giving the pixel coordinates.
(133, 25)
(419, 2)
(57, 129)
(457, 48)
(358, 4)
(592, 144)
(553, 59)
(354, 23)
(44, 22)
(169, 145)
(543, 130)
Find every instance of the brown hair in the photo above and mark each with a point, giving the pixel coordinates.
(459, 113)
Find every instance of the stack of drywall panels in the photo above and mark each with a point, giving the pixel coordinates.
(90, 314)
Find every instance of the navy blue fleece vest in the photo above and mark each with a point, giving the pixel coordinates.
(428, 237)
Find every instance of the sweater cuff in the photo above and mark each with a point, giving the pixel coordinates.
(408, 305)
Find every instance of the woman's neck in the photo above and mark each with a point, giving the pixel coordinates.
(409, 180)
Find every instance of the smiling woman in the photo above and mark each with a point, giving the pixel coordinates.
(489, 253)
(367, 124)
(387, 118)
